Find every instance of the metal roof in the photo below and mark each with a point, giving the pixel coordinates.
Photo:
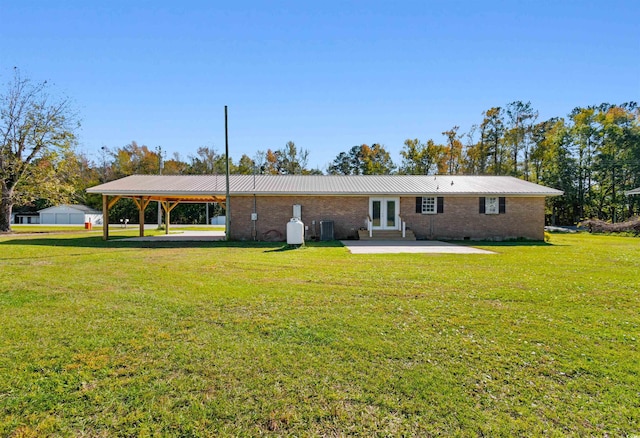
(321, 185)
(633, 192)
(78, 207)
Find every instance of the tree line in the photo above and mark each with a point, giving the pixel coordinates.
(592, 154)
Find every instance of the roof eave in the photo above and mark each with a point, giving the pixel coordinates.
(273, 193)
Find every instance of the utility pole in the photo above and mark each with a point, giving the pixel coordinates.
(160, 166)
(227, 199)
(104, 164)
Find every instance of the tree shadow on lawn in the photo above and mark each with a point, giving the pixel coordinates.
(125, 242)
(311, 244)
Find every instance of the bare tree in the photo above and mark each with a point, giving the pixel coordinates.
(35, 132)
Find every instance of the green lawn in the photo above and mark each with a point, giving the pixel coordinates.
(27, 229)
(124, 339)
(197, 227)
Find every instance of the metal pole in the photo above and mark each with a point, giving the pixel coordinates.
(104, 164)
(159, 173)
(227, 200)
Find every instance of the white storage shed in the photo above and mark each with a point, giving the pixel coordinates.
(70, 215)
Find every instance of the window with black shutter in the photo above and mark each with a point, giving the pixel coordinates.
(493, 205)
(429, 205)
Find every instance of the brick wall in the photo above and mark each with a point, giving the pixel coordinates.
(347, 212)
(524, 217)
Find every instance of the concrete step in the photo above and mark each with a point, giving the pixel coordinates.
(386, 235)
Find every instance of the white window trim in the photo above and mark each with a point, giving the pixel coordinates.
(496, 205)
(434, 205)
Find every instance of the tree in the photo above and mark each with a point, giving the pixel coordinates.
(286, 161)
(422, 159)
(246, 166)
(209, 162)
(585, 140)
(613, 162)
(521, 118)
(376, 160)
(36, 132)
(453, 150)
(346, 163)
(291, 161)
(175, 166)
(133, 159)
(492, 132)
(554, 165)
(476, 153)
(363, 160)
(271, 163)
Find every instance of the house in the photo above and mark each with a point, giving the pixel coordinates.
(70, 214)
(25, 215)
(351, 207)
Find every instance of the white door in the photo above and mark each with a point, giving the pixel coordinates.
(384, 213)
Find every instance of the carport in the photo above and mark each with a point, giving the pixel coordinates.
(145, 190)
(141, 202)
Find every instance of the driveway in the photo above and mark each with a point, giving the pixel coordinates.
(403, 246)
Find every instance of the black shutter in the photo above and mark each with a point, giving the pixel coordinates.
(419, 204)
(502, 202)
(440, 204)
(482, 206)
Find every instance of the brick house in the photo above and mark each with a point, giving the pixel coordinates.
(427, 207)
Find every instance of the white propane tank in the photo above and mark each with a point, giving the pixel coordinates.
(295, 232)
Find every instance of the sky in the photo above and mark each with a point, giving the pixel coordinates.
(326, 75)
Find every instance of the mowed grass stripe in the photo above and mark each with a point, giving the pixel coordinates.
(235, 339)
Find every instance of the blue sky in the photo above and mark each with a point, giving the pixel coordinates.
(327, 75)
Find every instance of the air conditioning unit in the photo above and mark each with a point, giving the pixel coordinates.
(326, 230)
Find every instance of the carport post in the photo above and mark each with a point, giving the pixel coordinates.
(105, 217)
(167, 218)
(141, 204)
(141, 216)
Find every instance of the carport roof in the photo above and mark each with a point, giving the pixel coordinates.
(321, 185)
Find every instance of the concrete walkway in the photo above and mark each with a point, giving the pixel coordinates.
(403, 246)
(181, 236)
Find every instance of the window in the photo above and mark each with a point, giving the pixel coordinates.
(493, 205)
(429, 204)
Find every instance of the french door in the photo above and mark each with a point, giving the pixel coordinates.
(384, 213)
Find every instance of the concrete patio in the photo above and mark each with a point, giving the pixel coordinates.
(417, 247)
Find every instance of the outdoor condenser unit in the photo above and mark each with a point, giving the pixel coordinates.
(326, 230)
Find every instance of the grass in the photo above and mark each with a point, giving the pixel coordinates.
(198, 227)
(229, 339)
(131, 231)
(27, 229)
